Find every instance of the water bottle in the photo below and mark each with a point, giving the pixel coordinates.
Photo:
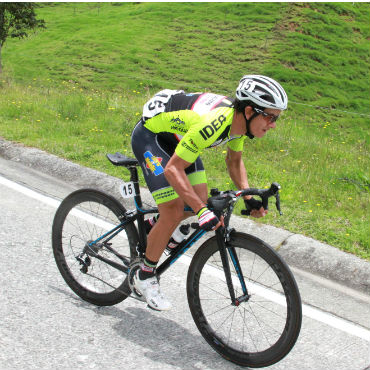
(177, 237)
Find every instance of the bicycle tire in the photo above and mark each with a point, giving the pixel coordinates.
(211, 308)
(83, 216)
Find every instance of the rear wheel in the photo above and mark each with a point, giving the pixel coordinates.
(262, 327)
(83, 217)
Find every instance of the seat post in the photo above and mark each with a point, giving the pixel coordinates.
(135, 179)
(138, 203)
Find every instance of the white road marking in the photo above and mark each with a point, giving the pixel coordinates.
(309, 311)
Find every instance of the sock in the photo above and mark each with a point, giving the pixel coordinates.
(147, 269)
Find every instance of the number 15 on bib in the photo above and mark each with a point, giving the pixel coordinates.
(127, 190)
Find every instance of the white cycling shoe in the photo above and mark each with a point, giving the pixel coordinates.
(150, 289)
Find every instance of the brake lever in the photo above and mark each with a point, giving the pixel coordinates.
(265, 202)
(277, 196)
(273, 191)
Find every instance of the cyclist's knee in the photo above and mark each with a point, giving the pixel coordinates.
(172, 212)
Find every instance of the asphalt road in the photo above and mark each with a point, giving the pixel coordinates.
(45, 325)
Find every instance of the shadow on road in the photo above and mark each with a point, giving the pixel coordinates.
(162, 340)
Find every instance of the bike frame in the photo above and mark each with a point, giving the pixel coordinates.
(179, 250)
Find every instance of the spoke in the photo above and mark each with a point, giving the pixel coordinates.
(243, 318)
(259, 322)
(75, 234)
(213, 290)
(223, 322)
(267, 267)
(74, 225)
(251, 273)
(93, 212)
(87, 224)
(231, 325)
(255, 316)
(266, 309)
(221, 309)
(246, 326)
(272, 285)
(273, 329)
(74, 254)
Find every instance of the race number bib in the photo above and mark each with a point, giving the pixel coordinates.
(127, 190)
(157, 104)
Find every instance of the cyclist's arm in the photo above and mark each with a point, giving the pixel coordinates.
(236, 169)
(238, 175)
(176, 176)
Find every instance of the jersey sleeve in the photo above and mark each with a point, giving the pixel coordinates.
(237, 144)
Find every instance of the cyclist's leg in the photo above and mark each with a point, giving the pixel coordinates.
(145, 281)
(171, 214)
(153, 153)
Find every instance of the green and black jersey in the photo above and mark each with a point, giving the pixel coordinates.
(185, 124)
(192, 122)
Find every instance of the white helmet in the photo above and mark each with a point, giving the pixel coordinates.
(263, 91)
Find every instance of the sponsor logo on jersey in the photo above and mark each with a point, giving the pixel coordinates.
(178, 121)
(209, 130)
(188, 147)
(181, 129)
(153, 163)
(193, 144)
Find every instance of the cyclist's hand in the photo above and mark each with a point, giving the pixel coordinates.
(255, 207)
(208, 220)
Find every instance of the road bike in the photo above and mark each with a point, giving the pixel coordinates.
(242, 295)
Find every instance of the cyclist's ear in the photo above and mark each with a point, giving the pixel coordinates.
(248, 110)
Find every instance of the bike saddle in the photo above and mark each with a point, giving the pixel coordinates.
(118, 159)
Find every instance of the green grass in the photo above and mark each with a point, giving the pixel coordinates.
(76, 90)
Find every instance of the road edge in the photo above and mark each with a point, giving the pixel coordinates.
(297, 250)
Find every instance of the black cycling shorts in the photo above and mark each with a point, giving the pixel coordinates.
(153, 151)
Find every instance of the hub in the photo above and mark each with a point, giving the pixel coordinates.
(92, 249)
(241, 299)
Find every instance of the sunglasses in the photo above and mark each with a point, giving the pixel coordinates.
(271, 117)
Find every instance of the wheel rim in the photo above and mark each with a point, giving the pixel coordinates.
(255, 325)
(85, 222)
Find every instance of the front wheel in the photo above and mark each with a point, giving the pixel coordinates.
(263, 326)
(84, 217)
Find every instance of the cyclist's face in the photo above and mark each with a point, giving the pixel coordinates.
(261, 124)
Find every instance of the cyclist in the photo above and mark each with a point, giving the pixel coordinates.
(174, 129)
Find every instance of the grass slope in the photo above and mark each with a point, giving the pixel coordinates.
(77, 88)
